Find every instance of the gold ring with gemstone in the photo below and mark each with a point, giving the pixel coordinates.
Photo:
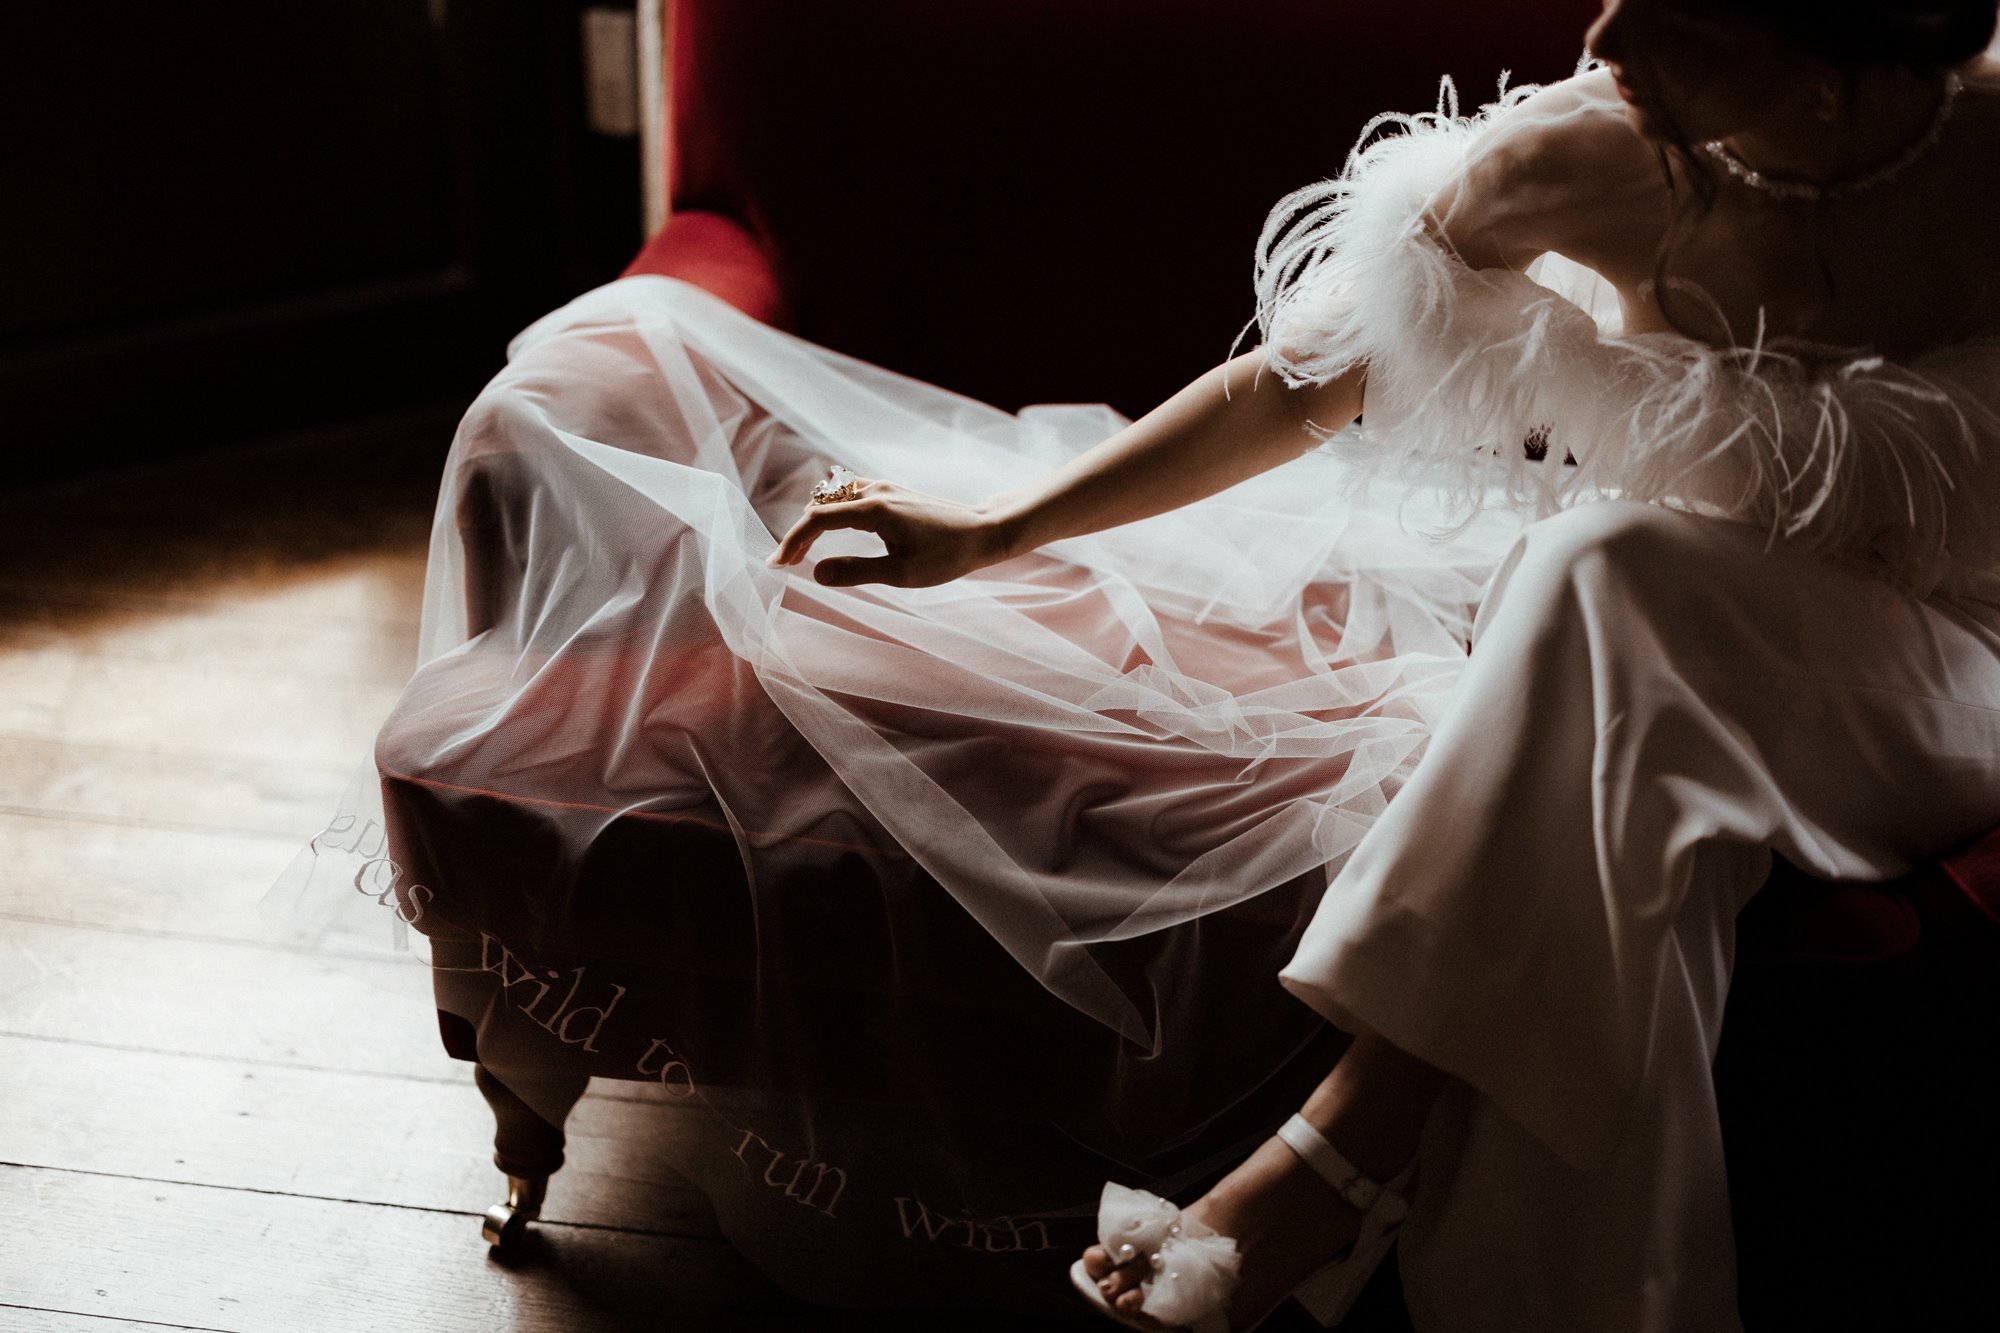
(840, 484)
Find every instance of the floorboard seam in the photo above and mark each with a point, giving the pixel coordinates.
(143, 658)
(193, 937)
(460, 1080)
(544, 1222)
(326, 770)
(123, 1319)
(146, 822)
(260, 758)
(106, 599)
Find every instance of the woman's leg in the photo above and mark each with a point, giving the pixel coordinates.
(1287, 1221)
(1545, 912)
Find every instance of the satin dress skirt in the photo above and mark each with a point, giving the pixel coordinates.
(1654, 703)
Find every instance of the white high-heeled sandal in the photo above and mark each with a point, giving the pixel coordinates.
(1194, 1266)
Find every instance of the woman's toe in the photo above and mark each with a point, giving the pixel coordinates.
(1119, 1283)
(1129, 1301)
(1123, 1280)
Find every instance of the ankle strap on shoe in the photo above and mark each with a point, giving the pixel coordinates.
(1347, 1179)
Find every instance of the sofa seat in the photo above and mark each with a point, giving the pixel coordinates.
(845, 972)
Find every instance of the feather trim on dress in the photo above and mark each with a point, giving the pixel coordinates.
(1483, 382)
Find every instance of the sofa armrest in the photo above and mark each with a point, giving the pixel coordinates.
(719, 255)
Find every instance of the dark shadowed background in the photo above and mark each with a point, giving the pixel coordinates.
(239, 218)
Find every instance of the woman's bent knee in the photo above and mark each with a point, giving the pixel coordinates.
(1621, 561)
(1627, 535)
(1628, 547)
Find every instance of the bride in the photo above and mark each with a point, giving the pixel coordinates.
(1670, 391)
(1775, 625)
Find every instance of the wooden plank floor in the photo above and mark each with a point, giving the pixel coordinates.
(192, 660)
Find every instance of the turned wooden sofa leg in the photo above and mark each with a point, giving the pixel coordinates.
(526, 1147)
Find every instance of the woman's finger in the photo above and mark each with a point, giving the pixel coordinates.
(864, 514)
(844, 571)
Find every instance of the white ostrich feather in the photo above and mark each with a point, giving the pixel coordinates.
(1881, 463)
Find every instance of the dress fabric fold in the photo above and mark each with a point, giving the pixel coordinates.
(973, 894)
(927, 910)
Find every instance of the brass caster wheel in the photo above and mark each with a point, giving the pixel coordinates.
(505, 1223)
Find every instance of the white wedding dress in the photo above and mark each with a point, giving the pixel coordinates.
(1758, 610)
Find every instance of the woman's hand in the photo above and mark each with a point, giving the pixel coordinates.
(930, 540)
(1198, 442)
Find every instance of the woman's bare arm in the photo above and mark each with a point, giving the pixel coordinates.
(1509, 207)
(1196, 443)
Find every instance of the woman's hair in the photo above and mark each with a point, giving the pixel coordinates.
(1921, 36)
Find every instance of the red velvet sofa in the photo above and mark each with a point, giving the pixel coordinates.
(1051, 200)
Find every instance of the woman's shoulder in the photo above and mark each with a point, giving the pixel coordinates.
(1549, 171)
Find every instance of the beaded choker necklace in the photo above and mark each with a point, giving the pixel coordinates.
(1780, 187)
